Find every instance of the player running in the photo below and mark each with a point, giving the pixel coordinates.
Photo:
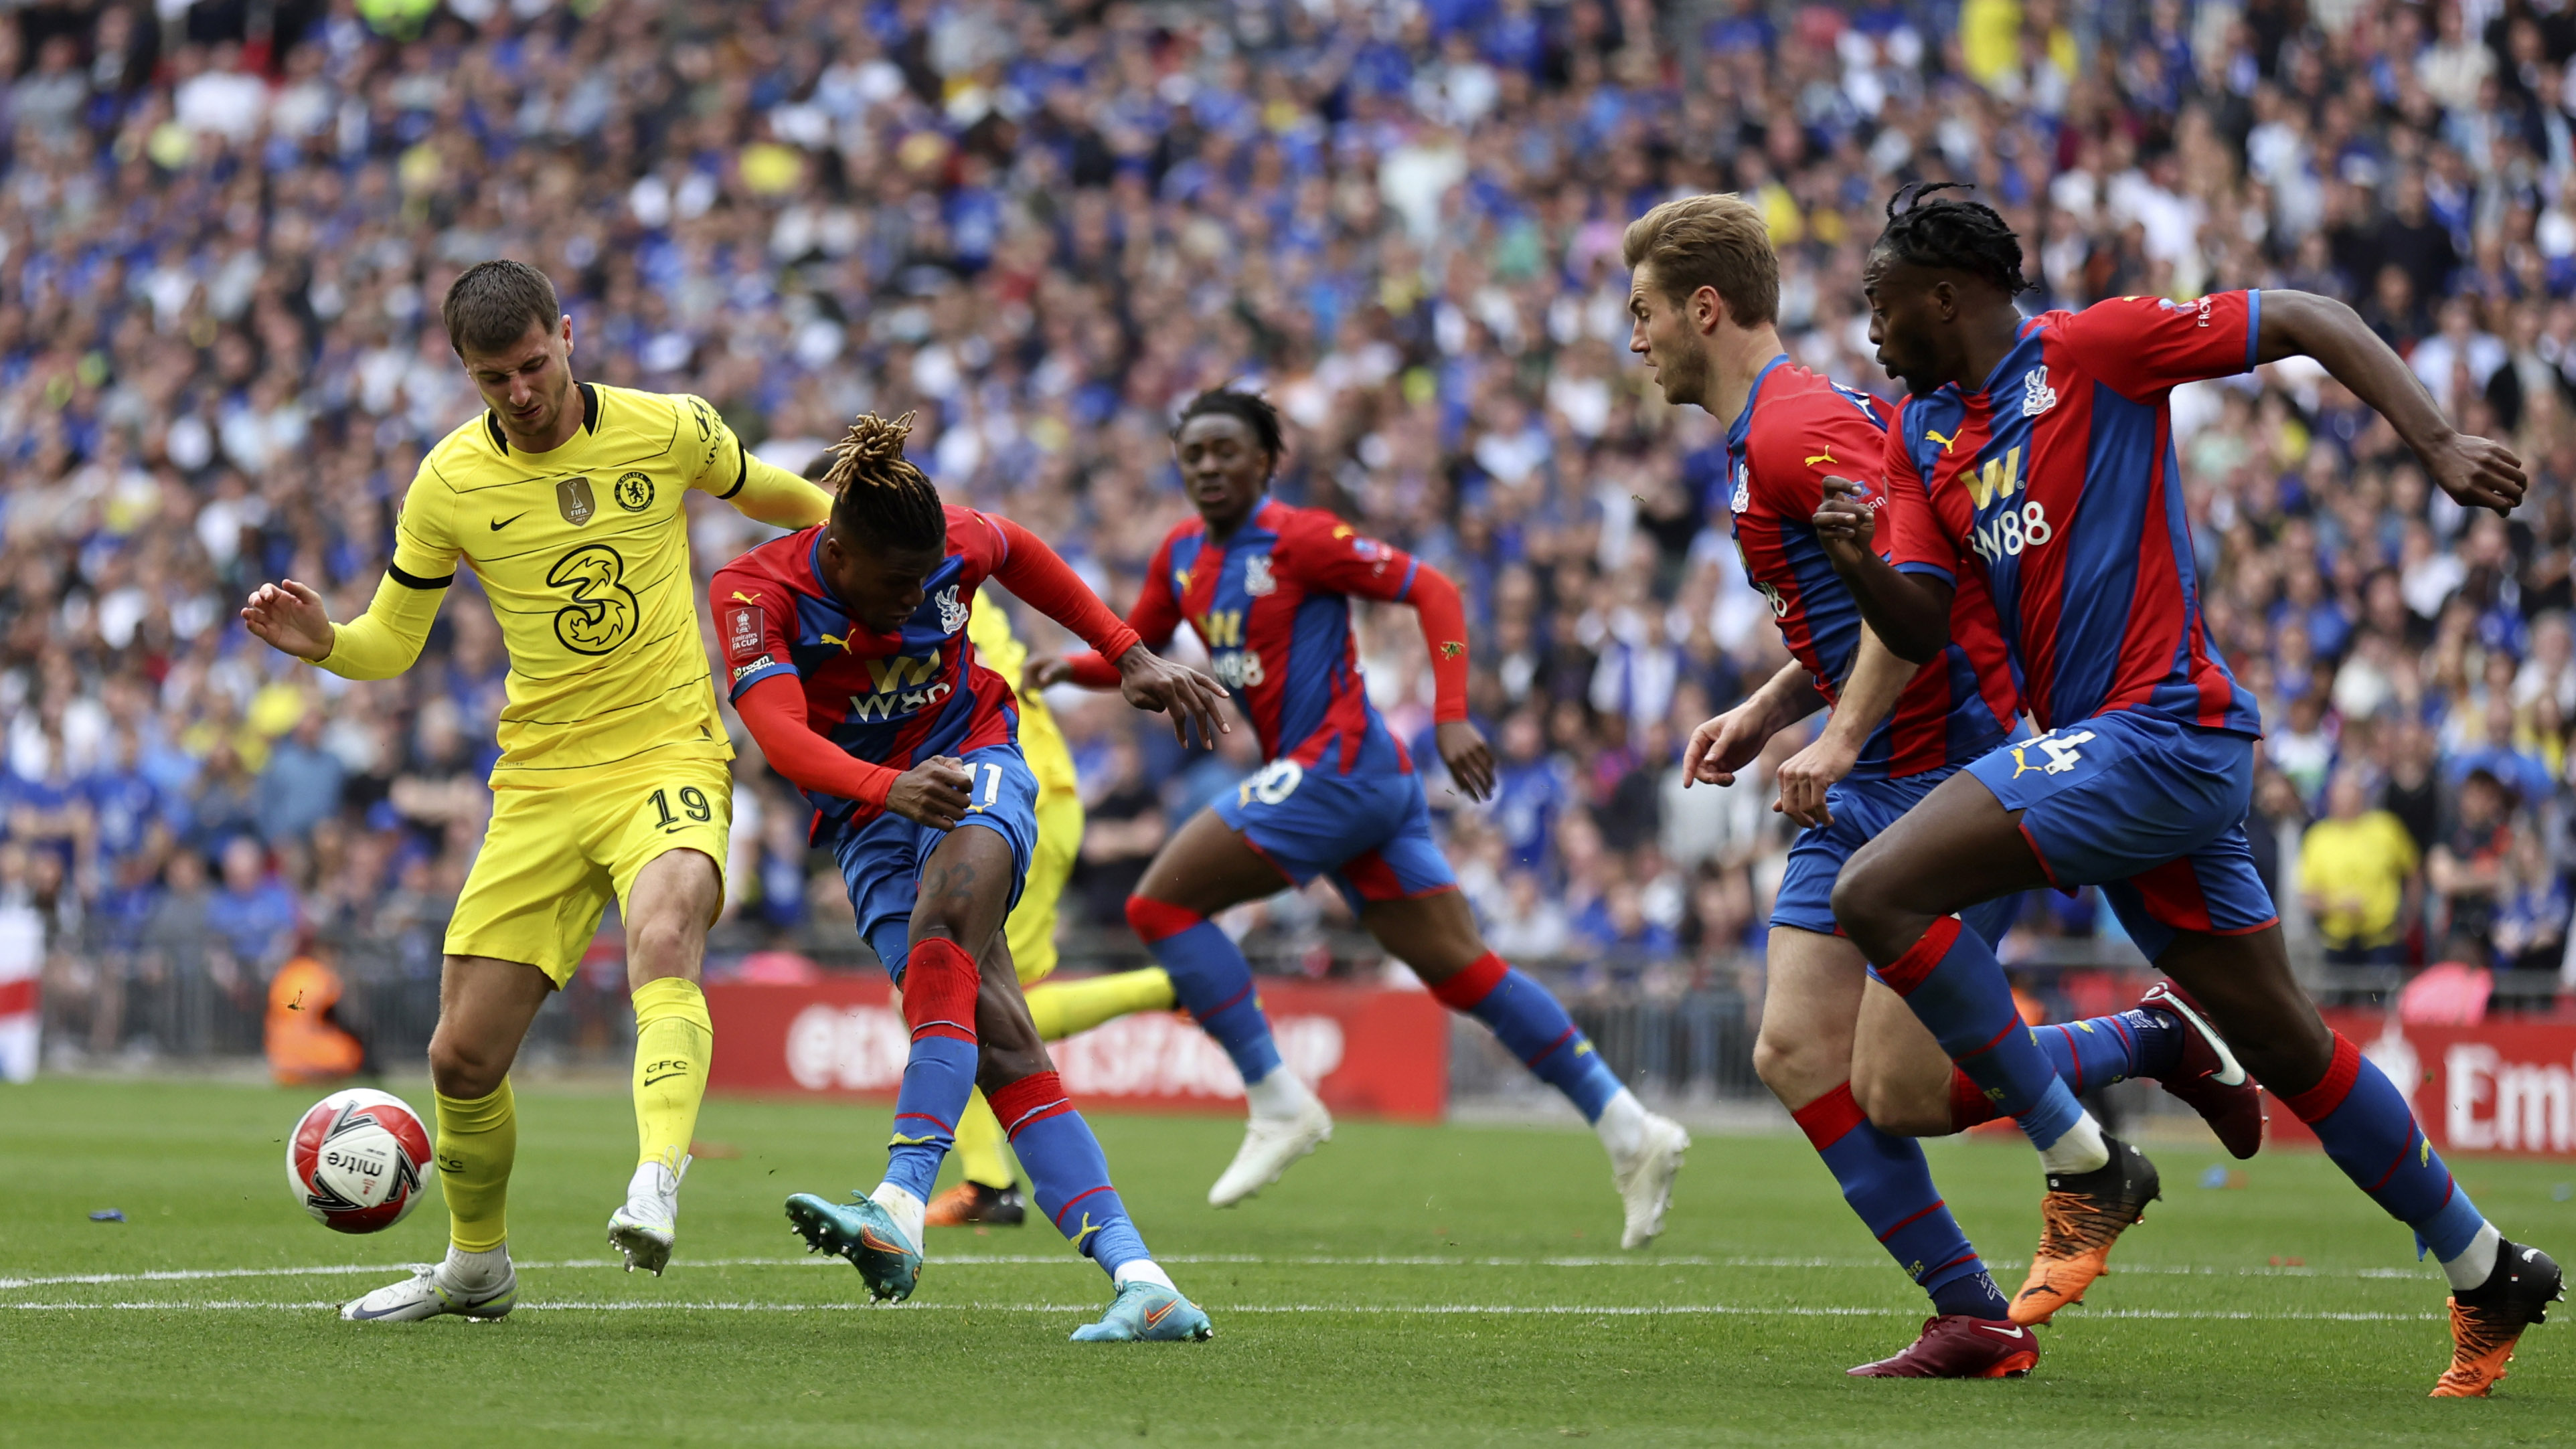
(852, 668)
(565, 499)
(1268, 587)
(1842, 1053)
(988, 1190)
(2037, 454)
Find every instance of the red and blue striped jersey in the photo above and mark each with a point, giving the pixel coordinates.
(2056, 482)
(1796, 430)
(890, 699)
(1272, 606)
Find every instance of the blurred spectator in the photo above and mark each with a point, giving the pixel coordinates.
(301, 786)
(2357, 871)
(2468, 870)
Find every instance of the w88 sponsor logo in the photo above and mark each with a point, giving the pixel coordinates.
(2010, 532)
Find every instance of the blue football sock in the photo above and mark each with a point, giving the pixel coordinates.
(1957, 988)
(1067, 1171)
(937, 1081)
(1210, 978)
(2367, 1130)
(1532, 1025)
(2093, 1053)
(1887, 1182)
(938, 981)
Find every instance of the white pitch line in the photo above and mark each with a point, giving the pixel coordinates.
(1067, 1260)
(1472, 1310)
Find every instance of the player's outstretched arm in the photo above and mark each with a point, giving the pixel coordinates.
(1910, 613)
(1046, 583)
(1728, 742)
(2478, 472)
(777, 497)
(932, 793)
(378, 644)
(1463, 747)
(1867, 698)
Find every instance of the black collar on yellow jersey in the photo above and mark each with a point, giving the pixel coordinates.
(589, 417)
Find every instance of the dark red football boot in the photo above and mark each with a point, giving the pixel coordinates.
(1955, 1346)
(2209, 1080)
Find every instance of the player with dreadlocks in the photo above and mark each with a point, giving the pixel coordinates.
(1268, 588)
(851, 665)
(1857, 1071)
(2036, 455)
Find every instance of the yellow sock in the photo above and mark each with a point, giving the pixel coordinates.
(478, 1138)
(1064, 1008)
(674, 1042)
(979, 1144)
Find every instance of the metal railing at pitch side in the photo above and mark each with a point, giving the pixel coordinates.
(1677, 1031)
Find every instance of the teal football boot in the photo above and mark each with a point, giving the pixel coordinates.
(864, 1233)
(1147, 1313)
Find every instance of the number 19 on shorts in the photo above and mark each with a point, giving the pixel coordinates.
(693, 808)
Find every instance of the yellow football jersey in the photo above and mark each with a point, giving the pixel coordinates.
(1041, 742)
(584, 553)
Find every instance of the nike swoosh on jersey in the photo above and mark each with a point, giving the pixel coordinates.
(501, 523)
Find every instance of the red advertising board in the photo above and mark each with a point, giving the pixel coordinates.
(1369, 1051)
(2501, 1086)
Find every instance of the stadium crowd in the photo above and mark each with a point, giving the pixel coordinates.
(1037, 227)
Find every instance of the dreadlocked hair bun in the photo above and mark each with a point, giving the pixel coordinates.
(880, 495)
(1962, 236)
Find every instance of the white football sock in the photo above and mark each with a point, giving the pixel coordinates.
(1142, 1270)
(1622, 1125)
(2476, 1262)
(2080, 1150)
(1277, 1095)
(482, 1270)
(906, 1210)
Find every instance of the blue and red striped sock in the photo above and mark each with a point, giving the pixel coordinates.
(938, 1077)
(1211, 978)
(1067, 1171)
(1887, 1182)
(1957, 988)
(2366, 1128)
(2093, 1053)
(1530, 1023)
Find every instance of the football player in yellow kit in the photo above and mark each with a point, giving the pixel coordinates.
(988, 1191)
(566, 500)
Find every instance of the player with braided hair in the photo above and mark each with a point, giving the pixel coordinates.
(2036, 456)
(852, 667)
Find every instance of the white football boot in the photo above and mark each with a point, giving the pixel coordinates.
(1645, 1178)
(1269, 1145)
(649, 1224)
(434, 1289)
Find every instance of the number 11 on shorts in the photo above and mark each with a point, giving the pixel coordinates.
(992, 791)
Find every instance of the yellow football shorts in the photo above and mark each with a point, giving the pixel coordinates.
(1031, 928)
(556, 854)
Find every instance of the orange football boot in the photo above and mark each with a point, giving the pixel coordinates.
(2080, 1218)
(2483, 1331)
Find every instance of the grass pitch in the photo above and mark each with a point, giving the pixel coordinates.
(1457, 1285)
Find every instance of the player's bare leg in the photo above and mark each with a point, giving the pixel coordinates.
(674, 899)
(1436, 935)
(1817, 1053)
(2499, 1287)
(1203, 870)
(484, 1008)
(1895, 899)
